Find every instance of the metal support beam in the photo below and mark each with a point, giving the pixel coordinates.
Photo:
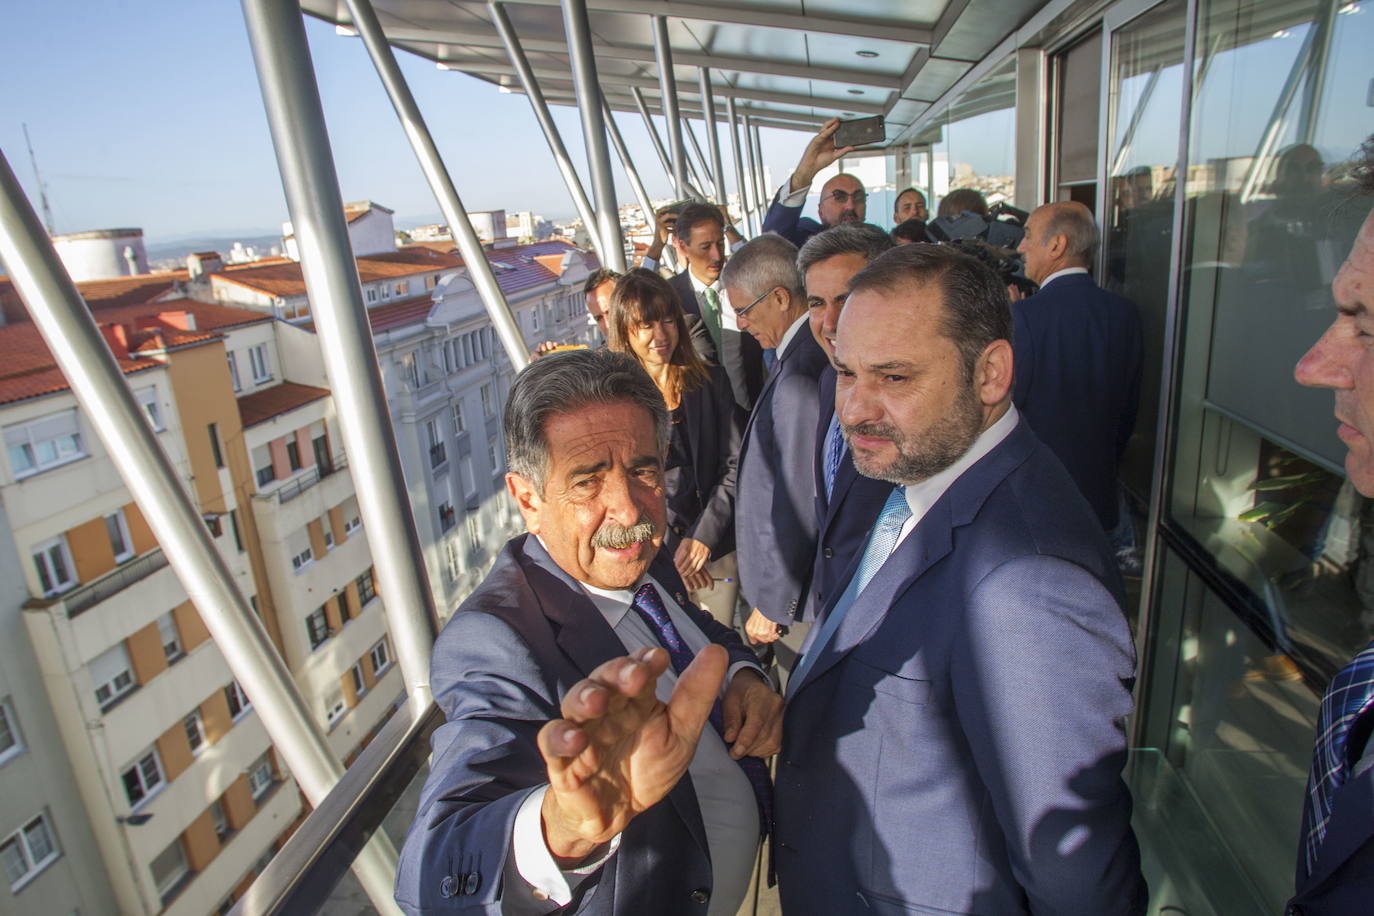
(1315, 86)
(751, 178)
(546, 123)
(667, 87)
(653, 132)
(706, 179)
(640, 192)
(1264, 153)
(741, 181)
(765, 193)
(108, 404)
(708, 115)
(589, 101)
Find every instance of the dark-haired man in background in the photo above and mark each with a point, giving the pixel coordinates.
(910, 204)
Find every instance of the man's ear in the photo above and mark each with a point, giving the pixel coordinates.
(992, 376)
(1059, 244)
(527, 499)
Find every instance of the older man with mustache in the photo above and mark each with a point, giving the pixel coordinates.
(576, 770)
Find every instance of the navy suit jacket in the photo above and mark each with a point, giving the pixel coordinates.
(845, 518)
(957, 746)
(712, 426)
(742, 357)
(775, 514)
(789, 223)
(1078, 355)
(500, 669)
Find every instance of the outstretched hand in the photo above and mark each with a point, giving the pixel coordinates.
(617, 750)
(819, 153)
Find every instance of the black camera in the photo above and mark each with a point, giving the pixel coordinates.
(991, 239)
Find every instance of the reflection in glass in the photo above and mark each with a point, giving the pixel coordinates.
(973, 142)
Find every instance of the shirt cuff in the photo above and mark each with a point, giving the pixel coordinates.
(648, 263)
(535, 863)
(736, 668)
(792, 198)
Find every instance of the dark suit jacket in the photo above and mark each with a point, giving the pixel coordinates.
(789, 223)
(775, 513)
(1078, 355)
(956, 747)
(1343, 882)
(713, 425)
(845, 518)
(500, 669)
(742, 357)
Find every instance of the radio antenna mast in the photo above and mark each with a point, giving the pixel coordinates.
(42, 188)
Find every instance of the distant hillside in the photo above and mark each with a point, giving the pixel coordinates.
(178, 249)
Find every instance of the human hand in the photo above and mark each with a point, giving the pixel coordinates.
(691, 556)
(547, 346)
(617, 750)
(819, 153)
(760, 629)
(752, 711)
(1014, 293)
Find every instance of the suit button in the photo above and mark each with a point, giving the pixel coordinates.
(700, 895)
(471, 885)
(828, 553)
(449, 886)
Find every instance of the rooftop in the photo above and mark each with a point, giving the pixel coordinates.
(261, 406)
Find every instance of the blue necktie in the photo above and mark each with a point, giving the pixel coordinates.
(834, 451)
(1350, 696)
(650, 608)
(881, 542)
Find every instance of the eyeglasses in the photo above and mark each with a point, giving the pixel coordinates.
(740, 313)
(844, 197)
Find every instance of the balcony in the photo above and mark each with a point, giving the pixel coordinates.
(302, 482)
(89, 595)
(437, 455)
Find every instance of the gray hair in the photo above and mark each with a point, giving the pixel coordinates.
(847, 238)
(764, 263)
(565, 381)
(1078, 229)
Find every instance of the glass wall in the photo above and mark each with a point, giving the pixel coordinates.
(973, 142)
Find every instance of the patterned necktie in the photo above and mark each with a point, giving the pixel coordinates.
(834, 451)
(1350, 696)
(710, 313)
(650, 608)
(881, 542)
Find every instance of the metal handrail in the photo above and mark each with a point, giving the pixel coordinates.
(298, 485)
(89, 595)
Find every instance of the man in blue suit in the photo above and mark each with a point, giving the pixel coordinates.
(843, 198)
(952, 740)
(1078, 355)
(573, 769)
(775, 517)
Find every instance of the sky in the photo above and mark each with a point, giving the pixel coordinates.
(148, 114)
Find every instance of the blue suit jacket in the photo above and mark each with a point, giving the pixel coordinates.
(845, 518)
(500, 669)
(1078, 356)
(956, 747)
(741, 356)
(789, 223)
(775, 514)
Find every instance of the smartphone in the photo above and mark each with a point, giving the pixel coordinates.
(860, 132)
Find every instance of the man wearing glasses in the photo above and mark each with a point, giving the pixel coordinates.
(843, 199)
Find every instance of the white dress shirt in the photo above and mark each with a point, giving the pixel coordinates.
(534, 884)
(792, 332)
(1067, 271)
(789, 198)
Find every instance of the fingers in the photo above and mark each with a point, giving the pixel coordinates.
(626, 676)
(696, 691)
(766, 741)
(759, 628)
(559, 742)
(698, 581)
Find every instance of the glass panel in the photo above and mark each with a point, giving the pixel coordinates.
(974, 140)
(1257, 476)
(1078, 91)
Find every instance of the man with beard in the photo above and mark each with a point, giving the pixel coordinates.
(573, 769)
(953, 734)
(843, 198)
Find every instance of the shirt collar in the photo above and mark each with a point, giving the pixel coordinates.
(792, 332)
(615, 603)
(921, 496)
(697, 286)
(1067, 271)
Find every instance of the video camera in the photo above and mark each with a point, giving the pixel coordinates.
(990, 239)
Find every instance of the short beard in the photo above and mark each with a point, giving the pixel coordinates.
(939, 447)
(615, 536)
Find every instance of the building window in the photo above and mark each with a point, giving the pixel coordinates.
(380, 657)
(234, 372)
(260, 777)
(168, 868)
(111, 675)
(412, 369)
(359, 685)
(298, 545)
(334, 707)
(317, 627)
(474, 537)
(143, 777)
(492, 453)
(257, 358)
(431, 281)
(386, 291)
(435, 435)
(488, 402)
(220, 820)
(372, 294)
(293, 453)
(402, 288)
(148, 398)
(28, 851)
(469, 480)
(54, 564)
(11, 742)
(171, 640)
(457, 411)
(366, 588)
(238, 700)
(262, 465)
(213, 430)
(327, 531)
(195, 731)
(320, 444)
(447, 517)
(352, 520)
(118, 530)
(234, 525)
(44, 443)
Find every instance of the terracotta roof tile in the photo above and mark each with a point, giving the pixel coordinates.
(29, 369)
(99, 293)
(263, 405)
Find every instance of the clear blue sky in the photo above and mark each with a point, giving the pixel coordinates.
(148, 114)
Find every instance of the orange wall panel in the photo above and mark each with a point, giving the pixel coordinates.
(350, 695)
(139, 531)
(175, 751)
(303, 446)
(205, 395)
(316, 533)
(336, 525)
(189, 625)
(201, 843)
(281, 465)
(331, 614)
(214, 716)
(239, 806)
(145, 653)
(89, 544)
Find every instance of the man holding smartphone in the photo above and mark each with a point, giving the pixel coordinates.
(843, 198)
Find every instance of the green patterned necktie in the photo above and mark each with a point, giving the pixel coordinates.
(710, 313)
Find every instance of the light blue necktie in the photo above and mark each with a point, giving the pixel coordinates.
(834, 451)
(881, 542)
